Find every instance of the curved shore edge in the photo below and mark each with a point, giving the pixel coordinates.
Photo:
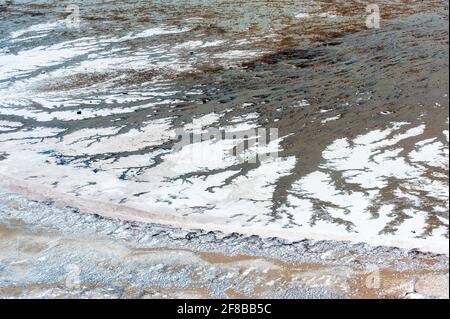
(44, 247)
(124, 213)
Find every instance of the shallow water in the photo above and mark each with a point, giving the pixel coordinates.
(91, 116)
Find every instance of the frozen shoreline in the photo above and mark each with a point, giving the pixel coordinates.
(61, 201)
(45, 246)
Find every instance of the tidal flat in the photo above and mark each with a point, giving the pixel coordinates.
(348, 198)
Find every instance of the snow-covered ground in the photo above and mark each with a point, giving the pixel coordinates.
(93, 122)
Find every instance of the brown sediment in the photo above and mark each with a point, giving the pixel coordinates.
(344, 280)
(397, 285)
(215, 258)
(207, 68)
(234, 294)
(305, 73)
(6, 232)
(135, 77)
(81, 80)
(348, 281)
(292, 34)
(182, 293)
(269, 275)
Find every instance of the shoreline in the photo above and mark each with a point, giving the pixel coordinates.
(49, 238)
(42, 193)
